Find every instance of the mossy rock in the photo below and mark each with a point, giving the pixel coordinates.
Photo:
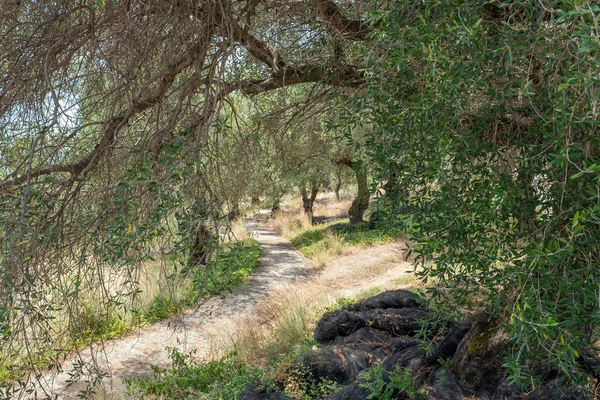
(480, 355)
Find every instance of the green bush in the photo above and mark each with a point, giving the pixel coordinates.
(188, 379)
(232, 267)
(161, 307)
(484, 116)
(399, 381)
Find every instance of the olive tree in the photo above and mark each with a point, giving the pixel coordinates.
(487, 114)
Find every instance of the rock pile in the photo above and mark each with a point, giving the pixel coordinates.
(380, 333)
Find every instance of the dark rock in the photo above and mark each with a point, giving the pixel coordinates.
(554, 390)
(352, 354)
(351, 392)
(507, 391)
(447, 346)
(391, 299)
(411, 358)
(479, 358)
(259, 392)
(365, 338)
(337, 323)
(399, 321)
(371, 340)
(354, 391)
(342, 365)
(591, 364)
(443, 385)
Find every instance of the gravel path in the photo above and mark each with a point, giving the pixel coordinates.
(207, 328)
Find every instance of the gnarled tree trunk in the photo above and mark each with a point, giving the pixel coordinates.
(200, 237)
(361, 201)
(338, 184)
(275, 207)
(309, 201)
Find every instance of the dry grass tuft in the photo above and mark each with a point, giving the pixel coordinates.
(333, 246)
(285, 319)
(238, 230)
(288, 222)
(289, 315)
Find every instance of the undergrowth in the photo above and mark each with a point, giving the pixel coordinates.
(190, 379)
(233, 266)
(227, 378)
(337, 235)
(94, 322)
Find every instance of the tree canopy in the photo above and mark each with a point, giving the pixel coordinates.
(129, 127)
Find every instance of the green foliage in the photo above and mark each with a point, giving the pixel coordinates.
(93, 324)
(384, 386)
(485, 116)
(189, 379)
(226, 378)
(340, 302)
(161, 307)
(297, 387)
(231, 268)
(314, 239)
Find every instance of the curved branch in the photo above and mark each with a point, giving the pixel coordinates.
(352, 29)
(347, 75)
(114, 124)
(259, 49)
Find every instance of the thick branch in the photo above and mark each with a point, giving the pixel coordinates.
(262, 51)
(117, 122)
(346, 76)
(351, 28)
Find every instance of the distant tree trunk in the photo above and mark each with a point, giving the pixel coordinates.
(199, 234)
(255, 200)
(361, 201)
(338, 184)
(391, 187)
(200, 247)
(275, 207)
(309, 201)
(234, 212)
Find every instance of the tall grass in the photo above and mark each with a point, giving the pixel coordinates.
(159, 292)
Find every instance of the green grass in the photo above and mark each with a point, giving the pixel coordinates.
(316, 239)
(233, 266)
(227, 378)
(95, 322)
(188, 379)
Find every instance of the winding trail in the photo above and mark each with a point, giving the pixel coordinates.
(206, 328)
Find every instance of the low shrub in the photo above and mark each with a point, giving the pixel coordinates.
(233, 266)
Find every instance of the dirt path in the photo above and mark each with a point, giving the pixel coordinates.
(207, 328)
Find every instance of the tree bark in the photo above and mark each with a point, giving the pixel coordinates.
(309, 201)
(338, 184)
(361, 201)
(199, 234)
(275, 207)
(234, 212)
(200, 248)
